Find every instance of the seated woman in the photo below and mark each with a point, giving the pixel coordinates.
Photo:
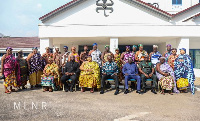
(165, 75)
(90, 75)
(183, 70)
(50, 73)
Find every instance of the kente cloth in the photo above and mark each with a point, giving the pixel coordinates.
(47, 81)
(23, 70)
(183, 68)
(90, 79)
(166, 83)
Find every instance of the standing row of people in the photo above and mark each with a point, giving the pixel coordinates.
(92, 66)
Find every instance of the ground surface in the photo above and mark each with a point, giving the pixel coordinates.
(77, 106)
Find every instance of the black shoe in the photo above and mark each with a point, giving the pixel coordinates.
(66, 90)
(126, 91)
(153, 91)
(116, 92)
(71, 89)
(139, 92)
(101, 92)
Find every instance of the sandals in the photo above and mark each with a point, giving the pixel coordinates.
(13, 90)
(82, 89)
(92, 90)
(7, 92)
(50, 90)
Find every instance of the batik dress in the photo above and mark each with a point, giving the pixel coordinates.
(155, 58)
(90, 79)
(54, 75)
(171, 60)
(167, 83)
(23, 70)
(183, 69)
(37, 64)
(10, 64)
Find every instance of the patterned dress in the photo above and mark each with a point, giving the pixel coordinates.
(128, 55)
(77, 58)
(166, 55)
(58, 59)
(90, 79)
(155, 58)
(96, 56)
(23, 70)
(141, 55)
(37, 64)
(119, 64)
(183, 68)
(10, 64)
(171, 60)
(53, 71)
(168, 82)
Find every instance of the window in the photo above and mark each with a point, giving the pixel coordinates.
(177, 2)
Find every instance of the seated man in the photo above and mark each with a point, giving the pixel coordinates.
(131, 72)
(147, 72)
(71, 72)
(110, 71)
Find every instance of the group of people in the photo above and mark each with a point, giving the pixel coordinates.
(172, 72)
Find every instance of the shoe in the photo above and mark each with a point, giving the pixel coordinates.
(116, 92)
(153, 91)
(139, 92)
(126, 91)
(101, 92)
(66, 90)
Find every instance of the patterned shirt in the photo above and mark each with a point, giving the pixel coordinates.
(110, 68)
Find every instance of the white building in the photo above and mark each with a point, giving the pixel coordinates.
(161, 22)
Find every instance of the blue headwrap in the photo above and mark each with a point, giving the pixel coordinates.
(183, 49)
(168, 45)
(134, 46)
(65, 47)
(94, 44)
(34, 48)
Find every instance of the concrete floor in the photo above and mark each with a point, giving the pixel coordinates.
(78, 106)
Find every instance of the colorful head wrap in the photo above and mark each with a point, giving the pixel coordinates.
(94, 44)
(183, 49)
(47, 48)
(168, 45)
(128, 46)
(65, 47)
(155, 46)
(9, 48)
(107, 46)
(134, 46)
(34, 48)
(140, 45)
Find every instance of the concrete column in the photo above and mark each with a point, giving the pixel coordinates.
(113, 44)
(183, 43)
(45, 42)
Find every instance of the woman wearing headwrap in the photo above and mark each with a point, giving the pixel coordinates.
(134, 47)
(96, 54)
(90, 75)
(50, 75)
(23, 69)
(75, 54)
(119, 63)
(172, 57)
(165, 74)
(139, 56)
(10, 71)
(35, 65)
(168, 52)
(47, 54)
(155, 55)
(106, 53)
(127, 54)
(184, 72)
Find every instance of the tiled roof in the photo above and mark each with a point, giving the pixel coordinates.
(19, 42)
(73, 2)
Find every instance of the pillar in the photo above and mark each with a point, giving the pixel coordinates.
(45, 42)
(183, 43)
(113, 44)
